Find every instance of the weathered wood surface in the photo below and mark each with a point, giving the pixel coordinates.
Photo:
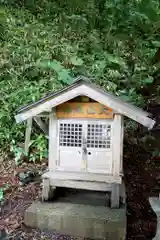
(53, 140)
(48, 191)
(84, 110)
(28, 135)
(68, 175)
(87, 185)
(117, 141)
(95, 93)
(42, 125)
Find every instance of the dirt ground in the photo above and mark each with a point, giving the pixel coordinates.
(141, 219)
(141, 173)
(140, 178)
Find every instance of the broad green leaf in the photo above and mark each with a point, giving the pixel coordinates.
(32, 158)
(111, 86)
(64, 76)
(100, 64)
(115, 59)
(31, 142)
(126, 98)
(156, 153)
(76, 61)
(119, 50)
(1, 194)
(148, 80)
(2, 14)
(156, 44)
(6, 186)
(1, 115)
(122, 92)
(55, 65)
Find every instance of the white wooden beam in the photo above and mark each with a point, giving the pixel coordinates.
(117, 144)
(121, 144)
(42, 125)
(95, 186)
(117, 158)
(44, 115)
(53, 125)
(69, 175)
(28, 135)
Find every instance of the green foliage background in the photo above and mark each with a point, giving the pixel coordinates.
(44, 44)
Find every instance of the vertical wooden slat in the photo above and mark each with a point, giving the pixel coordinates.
(117, 158)
(52, 141)
(28, 135)
(121, 144)
(117, 142)
(122, 187)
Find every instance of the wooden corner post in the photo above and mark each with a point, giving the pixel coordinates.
(117, 158)
(52, 140)
(28, 135)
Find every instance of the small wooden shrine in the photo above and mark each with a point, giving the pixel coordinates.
(85, 137)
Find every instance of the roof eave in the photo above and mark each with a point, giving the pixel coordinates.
(106, 99)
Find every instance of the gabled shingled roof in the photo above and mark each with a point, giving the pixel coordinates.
(83, 86)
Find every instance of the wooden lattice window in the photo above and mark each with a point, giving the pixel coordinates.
(70, 135)
(98, 136)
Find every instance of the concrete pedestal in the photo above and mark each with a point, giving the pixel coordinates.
(96, 222)
(155, 204)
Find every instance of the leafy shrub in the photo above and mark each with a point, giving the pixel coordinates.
(44, 44)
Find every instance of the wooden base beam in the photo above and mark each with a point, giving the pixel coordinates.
(78, 176)
(85, 185)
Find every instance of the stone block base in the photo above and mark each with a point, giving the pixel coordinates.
(96, 222)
